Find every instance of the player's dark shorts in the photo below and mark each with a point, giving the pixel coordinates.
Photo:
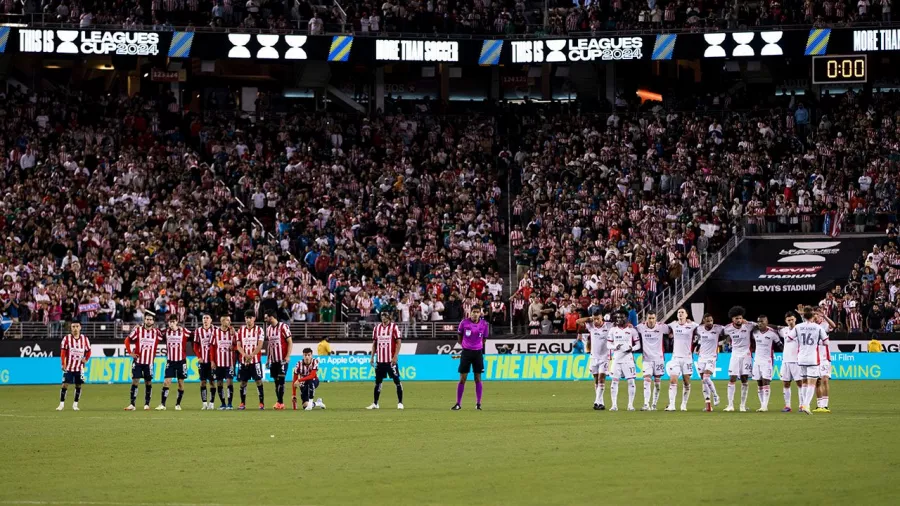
(250, 371)
(278, 369)
(386, 370)
(471, 360)
(139, 371)
(308, 390)
(73, 378)
(176, 369)
(206, 371)
(224, 373)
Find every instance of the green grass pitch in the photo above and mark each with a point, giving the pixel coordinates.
(535, 443)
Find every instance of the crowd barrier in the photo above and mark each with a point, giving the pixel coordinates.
(339, 368)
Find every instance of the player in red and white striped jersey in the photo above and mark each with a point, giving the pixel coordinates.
(385, 351)
(250, 341)
(203, 340)
(222, 356)
(144, 340)
(278, 350)
(306, 378)
(75, 350)
(176, 338)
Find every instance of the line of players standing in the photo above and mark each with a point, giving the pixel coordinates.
(805, 360)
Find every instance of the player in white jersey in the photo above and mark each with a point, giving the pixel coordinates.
(823, 386)
(810, 336)
(738, 332)
(709, 338)
(596, 346)
(654, 362)
(682, 363)
(790, 369)
(623, 341)
(764, 337)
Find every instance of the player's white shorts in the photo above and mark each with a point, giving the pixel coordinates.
(740, 366)
(623, 369)
(790, 371)
(809, 371)
(682, 367)
(762, 370)
(599, 365)
(706, 364)
(653, 368)
(825, 370)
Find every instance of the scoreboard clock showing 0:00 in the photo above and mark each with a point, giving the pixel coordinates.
(840, 69)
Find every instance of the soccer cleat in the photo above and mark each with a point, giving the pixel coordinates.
(294, 403)
(375, 406)
(242, 407)
(786, 409)
(400, 406)
(596, 407)
(614, 408)
(262, 406)
(716, 400)
(602, 407)
(178, 407)
(61, 406)
(223, 407)
(278, 406)
(826, 410)
(683, 407)
(203, 407)
(729, 409)
(653, 407)
(75, 407)
(804, 409)
(229, 408)
(630, 408)
(319, 403)
(645, 408)
(708, 407)
(309, 406)
(129, 407)
(670, 408)
(820, 410)
(743, 409)
(146, 407)
(160, 408)
(761, 410)
(478, 407)
(456, 407)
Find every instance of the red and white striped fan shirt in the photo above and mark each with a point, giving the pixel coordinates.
(248, 339)
(224, 347)
(204, 342)
(277, 337)
(74, 351)
(303, 370)
(176, 343)
(144, 341)
(386, 338)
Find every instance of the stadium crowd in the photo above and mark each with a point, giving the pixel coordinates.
(451, 16)
(112, 205)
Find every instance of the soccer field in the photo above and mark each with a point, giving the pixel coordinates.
(535, 443)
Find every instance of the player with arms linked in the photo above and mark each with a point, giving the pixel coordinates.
(223, 349)
(623, 340)
(810, 336)
(176, 364)
(141, 345)
(75, 350)
(278, 352)
(250, 339)
(203, 340)
(385, 352)
(471, 333)
(597, 329)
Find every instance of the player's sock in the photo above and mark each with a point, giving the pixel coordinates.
(165, 395)
(293, 391)
(731, 395)
(745, 390)
(673, 392)
(760, 393)
(685, 395)
(824, 399)
(632, 389)
(148, 393)
(203, 395)
(78, 394)
(400, 392)
(706, 394)
(787, 396)
(62, 395)
(460, 389)
(220, 392)
(648, 391)
(133, 394)
(243, 395)
(377, 393)
(261, 392)
(230, 394)
(657, 385)
(767, 392)
(180, 395)
(711, 387)
(279, 391)
(478, 390)
(598, 393)
(614, 392)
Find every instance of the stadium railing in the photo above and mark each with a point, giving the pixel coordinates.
(111, 331)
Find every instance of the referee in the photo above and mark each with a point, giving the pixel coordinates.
(471, 333)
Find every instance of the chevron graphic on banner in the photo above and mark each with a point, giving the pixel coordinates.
(181, 45)
(490, 52)
(664, 47)
(4, 38)
(340, 48)
(817, 42)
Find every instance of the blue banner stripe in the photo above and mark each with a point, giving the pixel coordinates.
(817, 42)
(4, 38)
(340, 48)
(181, 45)
(664, 47)
(490, 52)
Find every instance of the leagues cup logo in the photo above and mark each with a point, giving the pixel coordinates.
(121, 43)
